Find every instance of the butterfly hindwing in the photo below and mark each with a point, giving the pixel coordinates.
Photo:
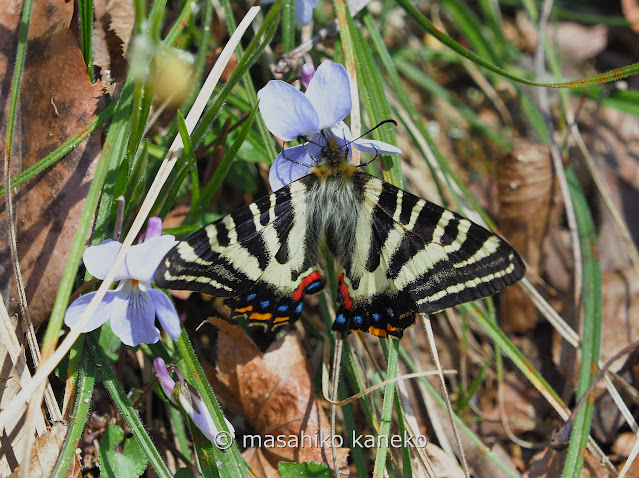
(410, 256)
(258, 257)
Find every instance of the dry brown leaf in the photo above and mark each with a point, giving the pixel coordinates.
(45, 454)
(525, 181)
(272, 391)
(549, 463)
(112, 31)
(443, 465)
(57, 101)
(519, 411)
(620, 311)
(14, 375)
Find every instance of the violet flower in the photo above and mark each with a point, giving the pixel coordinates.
(288, 114)
(303, 10)
(133, 305)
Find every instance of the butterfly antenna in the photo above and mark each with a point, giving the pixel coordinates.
(297, 162)
(367, 132)
(373, 129)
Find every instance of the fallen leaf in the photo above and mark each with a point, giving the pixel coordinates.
(443, 465)
(45, 454)
(57, 101)
(525, 182)
(272, 391)
(112, 31)
(15, 373)
(549, 463)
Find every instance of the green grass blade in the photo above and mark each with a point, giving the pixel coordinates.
(591, 338)
(123, 404)
(81, 406)
(387, 406)
(190, 156)
(209, 190)
(21, 56)
(85, 8)
(288, 25)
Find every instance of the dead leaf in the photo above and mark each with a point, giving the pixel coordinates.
(112, 31)
(443, 465)
(14, 374)
(272, 391)
(549, 463)
(525, 181)
(57, 101)
(45, 454)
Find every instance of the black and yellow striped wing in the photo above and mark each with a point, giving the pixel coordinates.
(411, 256)
(261, 257)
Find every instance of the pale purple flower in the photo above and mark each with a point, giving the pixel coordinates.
(308, 71)
(288, 114)
(133, 306)
(189, 400)
(303, 10)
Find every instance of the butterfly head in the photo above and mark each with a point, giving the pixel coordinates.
(333, 161)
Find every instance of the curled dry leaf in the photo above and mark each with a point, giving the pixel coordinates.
(525, 180)
(111, 34)
(272, 391)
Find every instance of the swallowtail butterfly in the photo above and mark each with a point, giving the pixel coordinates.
(398, 254)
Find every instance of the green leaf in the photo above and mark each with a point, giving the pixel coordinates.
(130, 461)
(304, 470)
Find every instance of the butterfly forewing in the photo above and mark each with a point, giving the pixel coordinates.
(429, 257)
(262, 257)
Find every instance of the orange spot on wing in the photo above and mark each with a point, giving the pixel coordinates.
(260, 317)
(379, 332)
(281, 319)
(244, 310)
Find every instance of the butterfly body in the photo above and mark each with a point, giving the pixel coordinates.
(398, 254)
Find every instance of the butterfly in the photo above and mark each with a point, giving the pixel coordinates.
(398, 254)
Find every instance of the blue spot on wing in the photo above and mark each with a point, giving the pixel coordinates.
(313, 286)
(282, 308)
(298, 309)
(265, 303)
(377, 317)
(389, 311)
(340, 319)
(251, 297)
(359, 320)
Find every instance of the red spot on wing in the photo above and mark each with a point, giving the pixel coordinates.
(343, 289)
(297, 295)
